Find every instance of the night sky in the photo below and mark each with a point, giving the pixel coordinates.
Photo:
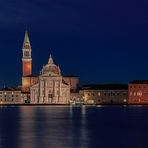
(99, 40)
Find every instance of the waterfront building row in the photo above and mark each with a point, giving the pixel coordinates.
(10, 95)
(105, 94)
(51, 92)
(50, 86)
(135, 92)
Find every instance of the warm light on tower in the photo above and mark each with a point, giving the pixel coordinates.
(27, 68)
(26, 62)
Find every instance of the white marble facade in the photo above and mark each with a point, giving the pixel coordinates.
(51, 88)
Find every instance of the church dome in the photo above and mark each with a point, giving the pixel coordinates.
(51, 68)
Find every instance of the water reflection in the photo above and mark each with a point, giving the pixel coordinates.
(79, 135)
(9, 126)
(73, 127)
(52, 127)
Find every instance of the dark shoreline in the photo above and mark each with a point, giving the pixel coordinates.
(73, 105)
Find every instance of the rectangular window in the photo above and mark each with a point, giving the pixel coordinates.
(98, 93)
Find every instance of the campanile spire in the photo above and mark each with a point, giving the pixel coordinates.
(26, 59)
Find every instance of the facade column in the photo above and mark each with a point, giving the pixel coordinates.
(54, 91)
(35, 97)
(44, 100)
(31, 95)
(40, 90)
(60, 96)
(46, 93)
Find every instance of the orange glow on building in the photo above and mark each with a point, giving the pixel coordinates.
(26, 82)
(138, 92)
(27, 68)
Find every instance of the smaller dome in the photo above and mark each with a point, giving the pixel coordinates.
(51, 67)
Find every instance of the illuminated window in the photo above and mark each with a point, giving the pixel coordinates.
(98, 93)
(131, 93)
(134, 93)
(139, 93)
(124, 100)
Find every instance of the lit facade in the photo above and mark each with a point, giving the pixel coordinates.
(138, 92)
(72, 81)
(104, 94)
(51, 87)
(11, 96)
(26, 64)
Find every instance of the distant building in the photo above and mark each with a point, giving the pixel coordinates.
(104, 94)
(33, 84)
(72, 81)
(51, 87)
(26, 64)
(138, 92)
(11, 96)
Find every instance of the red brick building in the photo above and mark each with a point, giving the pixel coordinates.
(138, 92)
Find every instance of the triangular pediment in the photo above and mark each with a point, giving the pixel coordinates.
(49, 74)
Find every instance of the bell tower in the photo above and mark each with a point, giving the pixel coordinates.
(26, 64)
(26, 59)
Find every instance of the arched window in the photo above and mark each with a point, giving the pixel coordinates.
(26, 53)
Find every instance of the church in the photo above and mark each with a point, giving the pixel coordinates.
(49, 87)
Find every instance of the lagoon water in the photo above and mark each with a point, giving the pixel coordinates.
(73, 127)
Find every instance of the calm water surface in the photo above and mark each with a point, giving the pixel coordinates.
(73, 127)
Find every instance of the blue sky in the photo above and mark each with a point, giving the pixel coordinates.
(99, 40)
